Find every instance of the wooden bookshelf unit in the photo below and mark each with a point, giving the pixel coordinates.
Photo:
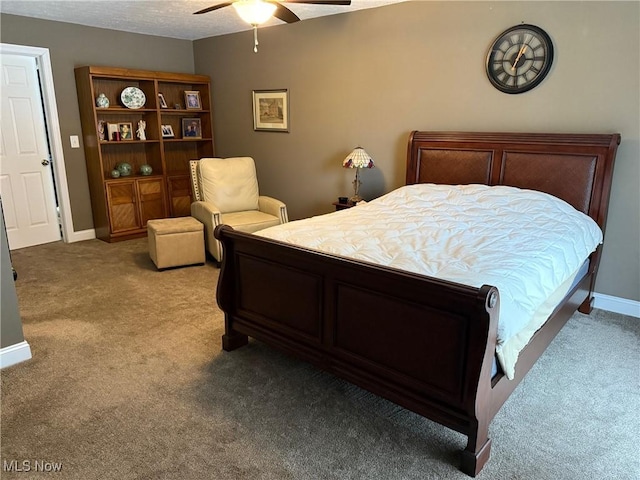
(121, 206)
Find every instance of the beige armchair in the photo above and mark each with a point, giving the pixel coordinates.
(225, 191)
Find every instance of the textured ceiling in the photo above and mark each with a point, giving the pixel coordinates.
(165, 18)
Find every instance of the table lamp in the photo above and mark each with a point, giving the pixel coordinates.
(357, 159)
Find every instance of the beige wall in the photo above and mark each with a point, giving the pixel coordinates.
(73, 46)
(370, 77)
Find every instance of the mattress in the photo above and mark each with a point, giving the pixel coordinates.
(528, 244)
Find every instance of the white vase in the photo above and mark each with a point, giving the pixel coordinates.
(102, 101)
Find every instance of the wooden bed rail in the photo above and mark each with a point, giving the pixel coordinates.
(420, 342)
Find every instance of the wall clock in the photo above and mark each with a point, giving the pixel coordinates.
(519, 58)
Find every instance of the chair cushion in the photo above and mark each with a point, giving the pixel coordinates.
(249, 221)
(230, 184)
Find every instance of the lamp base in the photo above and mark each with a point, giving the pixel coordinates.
(356, 189)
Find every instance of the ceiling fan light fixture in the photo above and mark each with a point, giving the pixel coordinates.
(254, 12)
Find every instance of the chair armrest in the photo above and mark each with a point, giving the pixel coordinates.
(273, 207)
(208, 214)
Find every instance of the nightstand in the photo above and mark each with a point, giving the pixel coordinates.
(342, 206)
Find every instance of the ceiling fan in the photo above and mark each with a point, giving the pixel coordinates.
(256, 12)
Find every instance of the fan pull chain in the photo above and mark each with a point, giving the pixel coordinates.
(255, 39)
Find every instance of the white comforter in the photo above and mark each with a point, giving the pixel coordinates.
(527, 244)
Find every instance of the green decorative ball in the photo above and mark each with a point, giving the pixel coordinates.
(115, 173)
(146, 169)
(124, 168)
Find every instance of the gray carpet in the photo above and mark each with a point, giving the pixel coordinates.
(128, 381)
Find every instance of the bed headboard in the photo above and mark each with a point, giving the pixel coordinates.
(577, 168)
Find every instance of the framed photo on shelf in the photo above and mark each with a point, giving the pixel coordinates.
(162, 101)
(192, 100)
(167, 131)
(113, 132)
(191, 128)
(271, 110)
(126, 131)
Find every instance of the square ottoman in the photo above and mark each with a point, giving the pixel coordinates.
(176, 242)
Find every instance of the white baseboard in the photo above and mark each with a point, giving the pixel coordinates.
(617, 305)
(14, 354)
(81, 236)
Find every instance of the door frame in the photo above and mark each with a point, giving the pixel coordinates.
(43, 61)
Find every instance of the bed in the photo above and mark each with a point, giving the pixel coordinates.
(422, 342)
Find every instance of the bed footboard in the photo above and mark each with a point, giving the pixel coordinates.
(423, 343)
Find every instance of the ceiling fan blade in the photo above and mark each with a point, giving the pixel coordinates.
(321, 2)
(212, 8)
(284, 14)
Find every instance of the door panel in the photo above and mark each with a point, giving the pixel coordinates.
(26, 184)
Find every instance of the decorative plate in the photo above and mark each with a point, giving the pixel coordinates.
(133, 97)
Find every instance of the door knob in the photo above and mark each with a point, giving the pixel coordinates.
(45, 162)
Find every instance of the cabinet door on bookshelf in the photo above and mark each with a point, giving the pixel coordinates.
(133, 202)
(180, 195)
(151, 194)
(122, 205)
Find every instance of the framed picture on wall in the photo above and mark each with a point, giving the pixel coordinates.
(192, 100)
(271, 110)
(191, 128)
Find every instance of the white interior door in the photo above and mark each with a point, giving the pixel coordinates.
(26, 177)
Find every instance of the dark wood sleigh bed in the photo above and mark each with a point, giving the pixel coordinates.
(423, 343)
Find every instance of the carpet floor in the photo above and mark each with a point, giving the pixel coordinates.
(128, 381)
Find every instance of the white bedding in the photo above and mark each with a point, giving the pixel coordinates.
(528, 244)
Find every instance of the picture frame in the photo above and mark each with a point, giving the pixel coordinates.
(167, 131)
(162, 101)
(113, 132)
(126, 131)
(191, 128)
(192, 100)
(271, 110)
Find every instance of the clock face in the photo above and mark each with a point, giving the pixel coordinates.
(519, 58)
